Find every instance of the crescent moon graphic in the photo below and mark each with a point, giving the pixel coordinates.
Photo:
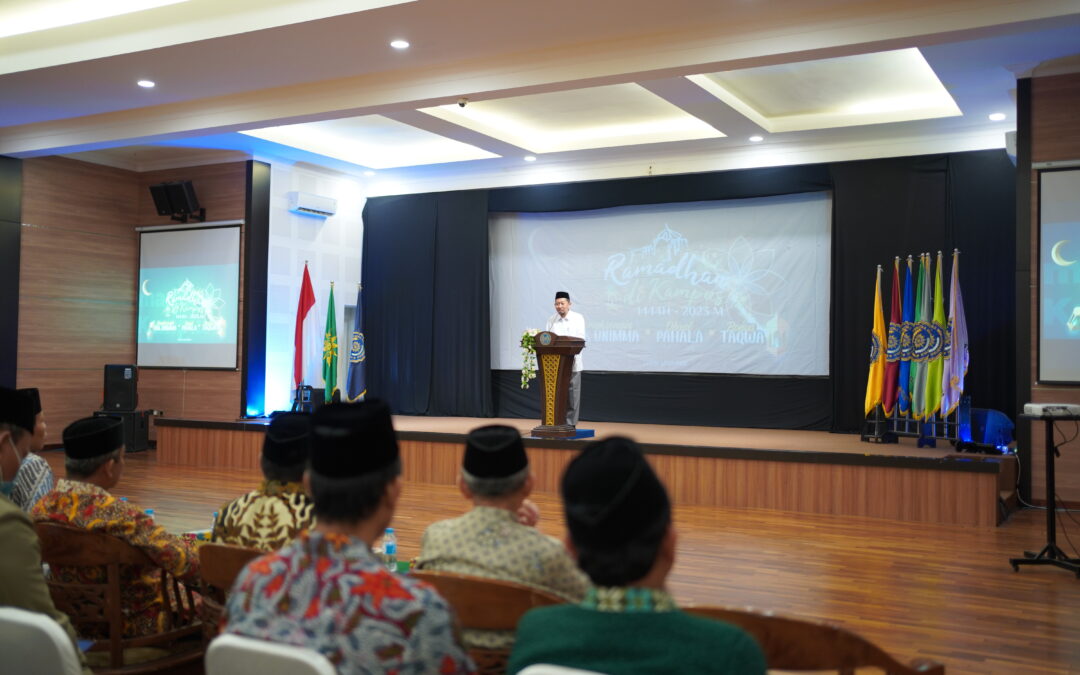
(1055, 253)
(146, 292)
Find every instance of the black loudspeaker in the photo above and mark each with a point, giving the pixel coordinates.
(135, 428)
(121, 388)
(175, 197)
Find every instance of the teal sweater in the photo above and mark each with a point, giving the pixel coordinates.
(630, 643)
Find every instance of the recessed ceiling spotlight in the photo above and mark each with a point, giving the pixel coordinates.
(756, 139)
(400, 44)
(530, 158)
(996, 117)
(369, 173)
(146, 84)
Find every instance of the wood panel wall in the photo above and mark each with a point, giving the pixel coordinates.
(77, 283)
(78, 277)
(196, 394)
(917, 495)
(1055, 136)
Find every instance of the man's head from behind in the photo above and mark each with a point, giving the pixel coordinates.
(618, 514)
(40, 428)
(354, 465)
(285, 448)
(495, 467)
(16, 430)
(94, 450)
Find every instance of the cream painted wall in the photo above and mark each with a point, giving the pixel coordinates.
(332, 247)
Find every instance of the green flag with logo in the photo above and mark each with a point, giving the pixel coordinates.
(330, 351)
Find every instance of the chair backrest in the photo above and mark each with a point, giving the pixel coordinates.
(220, 564)
(798, 644)
(230, 654)
(88, 604)
(34, 644)
(486, 604)
(550, 669)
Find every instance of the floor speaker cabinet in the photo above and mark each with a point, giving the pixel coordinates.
(135, 427)
(121, 388)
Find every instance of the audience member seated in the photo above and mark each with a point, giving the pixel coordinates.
(94, 463)
(326, 590)
(497, 537)
(621, 532)
(273, 515)
(21, 581)
(34, 478)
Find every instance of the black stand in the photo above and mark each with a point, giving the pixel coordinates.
(1050, 554)
(302, 399)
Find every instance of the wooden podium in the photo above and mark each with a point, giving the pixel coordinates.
(555, 363)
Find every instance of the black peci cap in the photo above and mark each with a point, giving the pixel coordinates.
(352, 439)
(93, 437)
(494, 451)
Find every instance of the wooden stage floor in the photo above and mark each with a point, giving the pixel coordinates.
(943, 592)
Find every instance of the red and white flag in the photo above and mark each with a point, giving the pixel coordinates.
(303, 308)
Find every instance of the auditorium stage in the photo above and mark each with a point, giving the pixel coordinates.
(790, 470)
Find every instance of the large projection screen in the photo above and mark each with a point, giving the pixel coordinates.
(1059, 276)
(189, 298)
(734, 286)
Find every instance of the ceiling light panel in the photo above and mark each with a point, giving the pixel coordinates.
(894, 86)
(580, 119)
(18, 17)
(373, 141)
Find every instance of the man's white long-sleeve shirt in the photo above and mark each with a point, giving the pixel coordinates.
(571, 325)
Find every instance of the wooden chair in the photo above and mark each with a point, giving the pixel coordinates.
(487, 604)
(797, 644)
(96, 604)
(219, 565)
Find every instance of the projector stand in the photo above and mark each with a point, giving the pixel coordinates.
(1050, 554)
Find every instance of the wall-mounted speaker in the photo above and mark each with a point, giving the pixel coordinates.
(121, 388)
(177, 198)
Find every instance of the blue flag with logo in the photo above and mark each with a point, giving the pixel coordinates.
(355, 380)
(906, 329)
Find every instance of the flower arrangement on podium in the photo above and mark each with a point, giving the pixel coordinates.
(528, 357)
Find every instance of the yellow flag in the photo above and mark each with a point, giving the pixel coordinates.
(876, 378)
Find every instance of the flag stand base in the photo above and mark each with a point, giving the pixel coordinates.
(954, 427)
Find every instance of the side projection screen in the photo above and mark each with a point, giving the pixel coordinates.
(1059, 276)
(188, 298)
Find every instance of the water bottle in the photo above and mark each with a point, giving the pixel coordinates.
(150, 512)
(389, 546)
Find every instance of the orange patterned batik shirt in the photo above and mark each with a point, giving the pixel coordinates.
(93, 508)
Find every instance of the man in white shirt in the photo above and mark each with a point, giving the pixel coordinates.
(570, 323)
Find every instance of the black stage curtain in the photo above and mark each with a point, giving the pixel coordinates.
(687, 398)
(426, 303)
(881, 208)
(904, 205)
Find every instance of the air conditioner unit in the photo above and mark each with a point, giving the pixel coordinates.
(312, 205)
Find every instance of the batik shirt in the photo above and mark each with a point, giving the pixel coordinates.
(329, 593)
(90, 507)
(267, 518)
(489, 542)
(32, 482)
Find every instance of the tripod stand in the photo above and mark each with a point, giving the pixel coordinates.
(1051, 554)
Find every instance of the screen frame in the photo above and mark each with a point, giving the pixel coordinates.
(1039, 278)
(239, 225)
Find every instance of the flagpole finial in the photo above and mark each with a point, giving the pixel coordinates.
(332, 283)
(956, 251)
